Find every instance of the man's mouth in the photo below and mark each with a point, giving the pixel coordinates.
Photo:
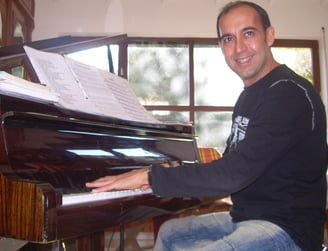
(243, 60)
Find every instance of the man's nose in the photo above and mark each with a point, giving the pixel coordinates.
(240, 45)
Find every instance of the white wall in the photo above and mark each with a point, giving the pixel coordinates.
(297, 19)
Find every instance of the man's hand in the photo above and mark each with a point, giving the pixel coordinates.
(136, 179)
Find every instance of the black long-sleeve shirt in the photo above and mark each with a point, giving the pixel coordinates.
(274, 166)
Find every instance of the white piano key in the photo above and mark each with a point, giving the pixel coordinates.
(77, 198)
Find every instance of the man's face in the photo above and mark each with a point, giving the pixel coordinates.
(245, 45)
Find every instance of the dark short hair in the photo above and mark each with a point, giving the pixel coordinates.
(265, 20)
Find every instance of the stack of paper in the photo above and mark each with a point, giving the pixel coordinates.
(18, 87)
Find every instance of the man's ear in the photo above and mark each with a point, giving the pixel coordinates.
(270, 35)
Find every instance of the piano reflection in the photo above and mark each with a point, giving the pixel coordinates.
(48, 153)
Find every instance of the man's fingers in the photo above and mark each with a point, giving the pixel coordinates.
(100, 182)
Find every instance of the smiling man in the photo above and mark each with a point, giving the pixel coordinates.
(274, 165)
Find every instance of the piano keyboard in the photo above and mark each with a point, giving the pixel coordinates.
(71, 199)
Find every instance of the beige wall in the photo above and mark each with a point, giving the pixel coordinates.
(298, 19)
(292, 18)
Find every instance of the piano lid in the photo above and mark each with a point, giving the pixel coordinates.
(64, 44)
(14, 55)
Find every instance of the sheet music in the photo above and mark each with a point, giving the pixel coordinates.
(86, 88)
(53, 72)
(111, 94)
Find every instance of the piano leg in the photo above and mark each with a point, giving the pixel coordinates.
(91, 242)
(128, 236)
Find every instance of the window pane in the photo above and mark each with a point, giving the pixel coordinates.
(215, 83)
(18, 71)
(98, 57)
(171, 116)
(212, 129)
(159, 74)
(298, 59)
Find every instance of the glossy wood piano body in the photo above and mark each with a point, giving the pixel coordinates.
(48, 152)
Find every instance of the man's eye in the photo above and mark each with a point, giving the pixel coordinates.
(249, 33)
(227, 39)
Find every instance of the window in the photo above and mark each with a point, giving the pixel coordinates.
(187, 79)
(159, 75)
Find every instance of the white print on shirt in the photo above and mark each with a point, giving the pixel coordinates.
(238, 131)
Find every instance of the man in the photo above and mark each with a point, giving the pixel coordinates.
(274, 166)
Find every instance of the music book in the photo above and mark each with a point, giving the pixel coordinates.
(14, 86)
(85, 88)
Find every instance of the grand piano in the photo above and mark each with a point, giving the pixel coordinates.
(47, 154)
